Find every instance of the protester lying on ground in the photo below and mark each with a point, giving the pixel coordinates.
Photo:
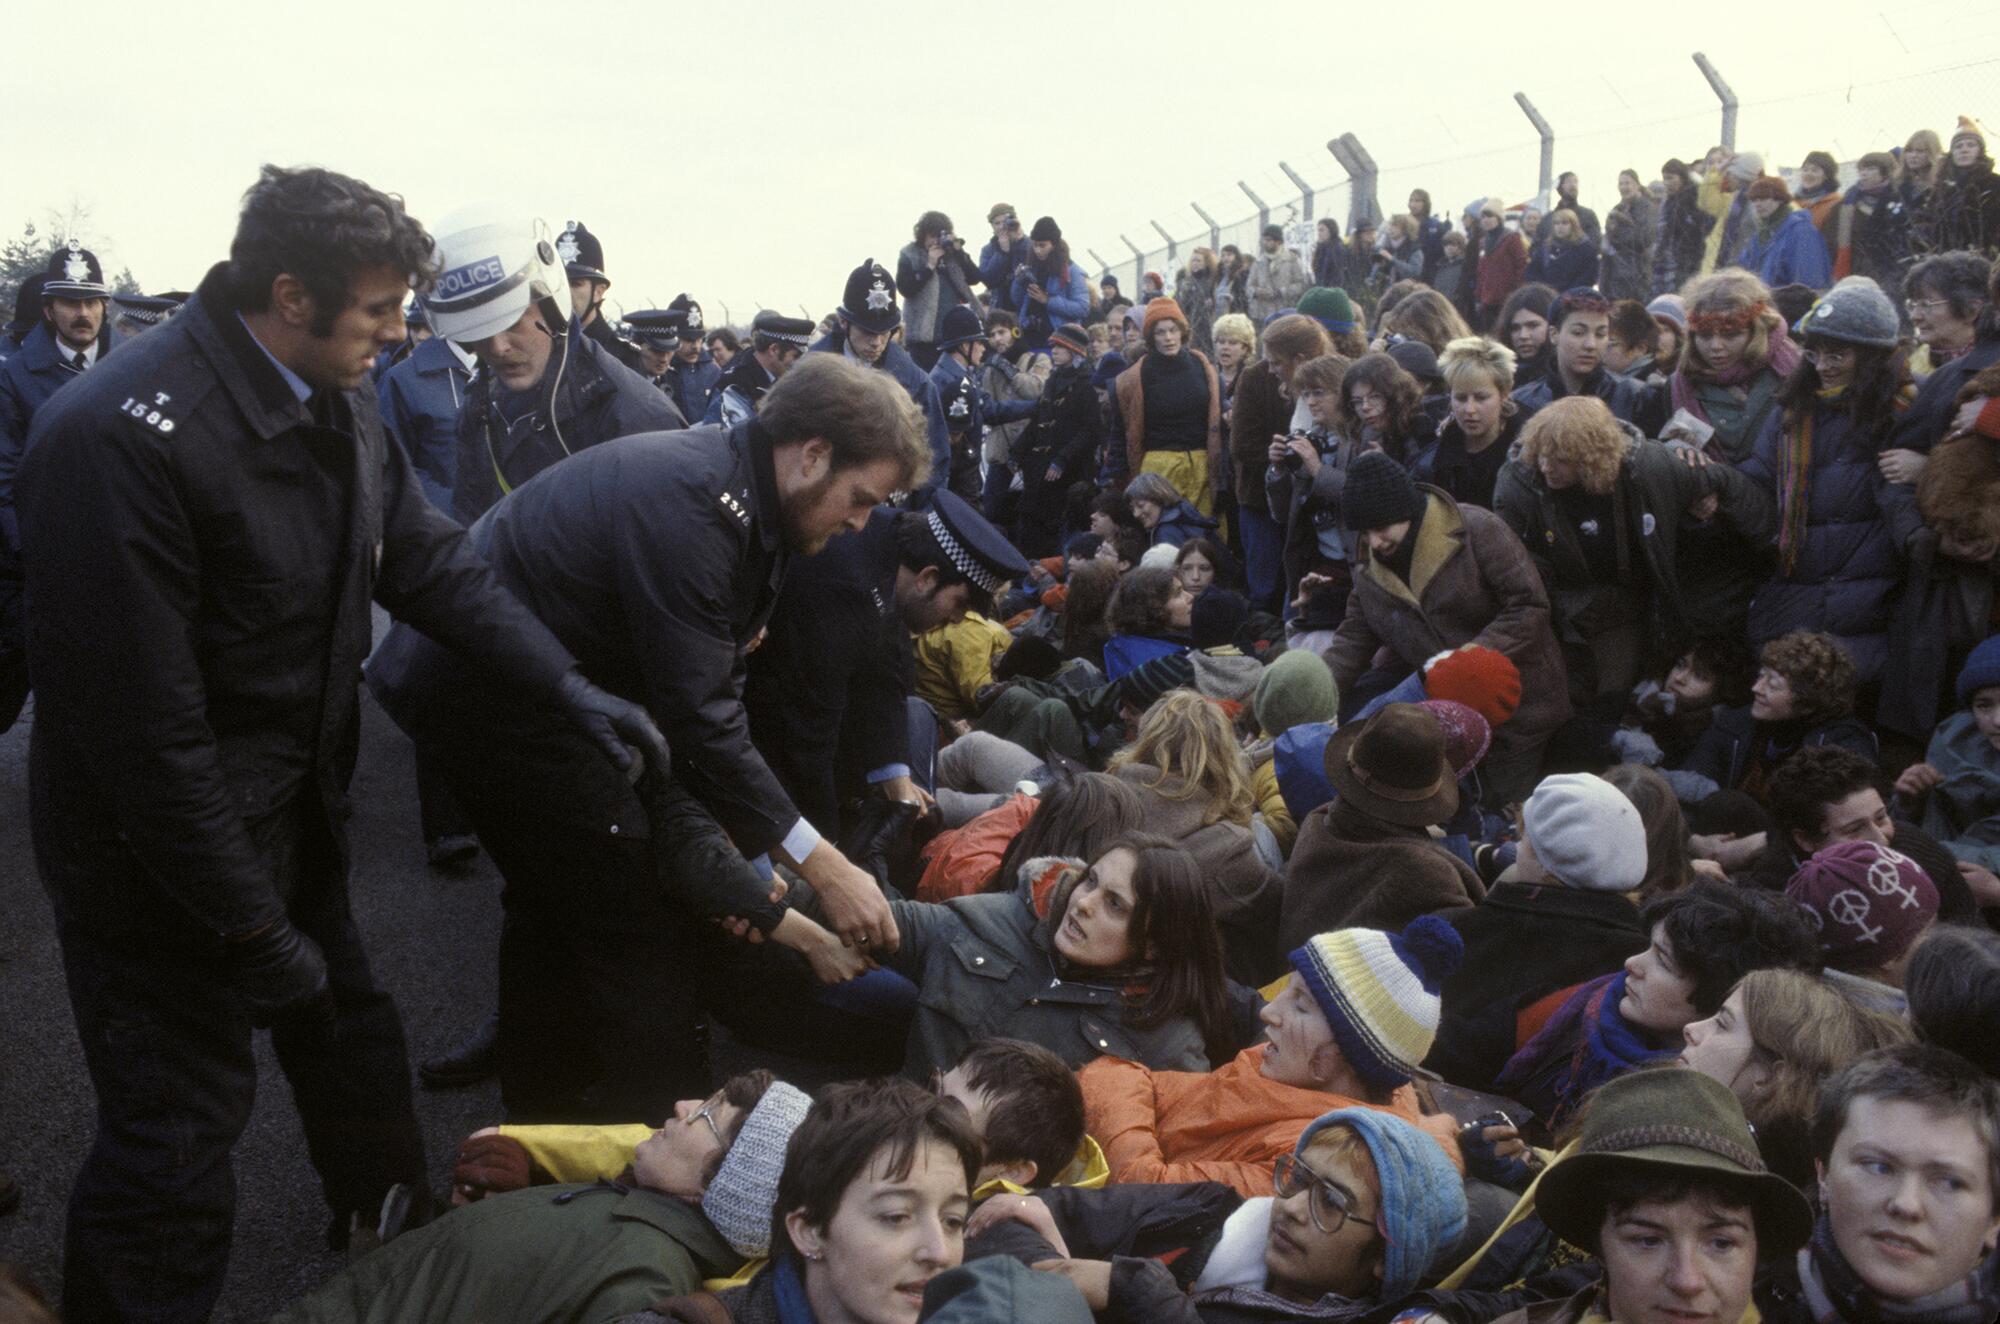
(871, 1207)
(1078, 815)
(693, 1203)
(1363, 1209)
(1116, 956)
(1350, 1028)
(1296, 689)
(1778, 1037)
(1702, 941)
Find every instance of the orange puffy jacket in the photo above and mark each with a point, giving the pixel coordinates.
(959, 862)
(1229, 1125)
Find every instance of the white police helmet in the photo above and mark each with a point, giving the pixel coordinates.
(491, 267)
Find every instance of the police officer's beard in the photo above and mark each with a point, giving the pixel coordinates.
(798, 509)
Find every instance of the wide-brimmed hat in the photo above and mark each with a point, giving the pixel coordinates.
(1393, 766)
(1673, 1122)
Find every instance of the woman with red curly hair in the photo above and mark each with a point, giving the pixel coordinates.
(1803, 695)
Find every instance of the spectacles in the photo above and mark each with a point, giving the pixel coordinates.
(1928, 305)
(1328, 1206)
(707, 1114)
(1819, 354)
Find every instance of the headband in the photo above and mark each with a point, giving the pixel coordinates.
(1727, 324)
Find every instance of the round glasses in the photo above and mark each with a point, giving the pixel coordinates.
(1328, 1206)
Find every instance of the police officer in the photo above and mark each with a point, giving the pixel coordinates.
(657, 559)
(829, 690)
(776, 341)
(539, 395)
(206, 517)
(68, 338)
(867, 314)
(583, 260)
(140, 313)
(692, 371)
(657, 333)
(968, 409)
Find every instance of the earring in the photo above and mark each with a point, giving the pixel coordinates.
(815, 1256)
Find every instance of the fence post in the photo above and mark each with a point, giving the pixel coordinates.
(1103, 267)
(1362, 208)
(1173, 244)
(1138, 268)
(1263, 208)
(1305, 190)
(1723, 93)
(1214, 230)
(1548, 172)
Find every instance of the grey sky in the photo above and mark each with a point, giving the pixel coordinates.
(755, 153)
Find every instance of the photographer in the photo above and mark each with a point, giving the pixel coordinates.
(1002, 253)
(1048, 288)
(933, 274)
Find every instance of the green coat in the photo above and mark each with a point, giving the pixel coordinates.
(554, 1253)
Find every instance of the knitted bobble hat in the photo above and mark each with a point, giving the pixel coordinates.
(1379, 993)
(1982, 669)
(738, 1200)
(1161, 310)
(1378, 493)
(1855, 312)
(1423, 1198)
(1483, 679)
(1968, 127)
(1868, 903)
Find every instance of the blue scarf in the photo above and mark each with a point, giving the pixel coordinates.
(790, 1294)
(1584, 1044)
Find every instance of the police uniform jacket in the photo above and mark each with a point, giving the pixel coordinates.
(692, 384)
(599, 333)
(826, 691)
(587, 398)
(656, 559)
(27, 379)
(896, 361)
(420, 399)
(203, 552)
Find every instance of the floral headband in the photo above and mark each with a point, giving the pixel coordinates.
(1727, 324)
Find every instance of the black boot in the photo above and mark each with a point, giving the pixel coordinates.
(473, 1059)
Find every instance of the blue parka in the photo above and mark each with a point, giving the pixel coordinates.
(1564, 266)
(1792, 254)
(1847, 573)
(1068, 302)
(420, 397)
(693, 384)
(896, 361)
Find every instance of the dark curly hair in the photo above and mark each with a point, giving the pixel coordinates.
(322, 228)
(1821, 674)
(1384, 375)
(1718, 934)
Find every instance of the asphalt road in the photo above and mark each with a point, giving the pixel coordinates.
(433, 940)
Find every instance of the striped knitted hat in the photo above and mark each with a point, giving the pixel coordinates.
(739, 1197)
(1379, 992)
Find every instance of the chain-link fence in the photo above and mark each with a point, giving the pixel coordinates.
(1597, 129)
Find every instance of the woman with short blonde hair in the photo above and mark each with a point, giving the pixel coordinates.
(1471, 445)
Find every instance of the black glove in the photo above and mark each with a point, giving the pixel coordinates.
(281, 975)
(617, 726)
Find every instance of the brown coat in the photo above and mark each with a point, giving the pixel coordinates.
(1243, 889)
(1258, 412)
(1131, 392)
(1471, 582)
(1333, 883)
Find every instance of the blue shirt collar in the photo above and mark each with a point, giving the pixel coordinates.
(292, 379)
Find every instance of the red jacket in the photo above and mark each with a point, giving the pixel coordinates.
(1501, 270)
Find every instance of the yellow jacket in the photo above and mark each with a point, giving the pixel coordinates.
(954, 662)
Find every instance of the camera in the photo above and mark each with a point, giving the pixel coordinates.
(947, 239)
(1293, 460)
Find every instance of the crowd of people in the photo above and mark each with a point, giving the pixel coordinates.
(1453, 777)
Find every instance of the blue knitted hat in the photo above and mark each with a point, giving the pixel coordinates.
(1981, 669)
(1423, 1197)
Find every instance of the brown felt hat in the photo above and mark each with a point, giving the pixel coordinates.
(1393, 766)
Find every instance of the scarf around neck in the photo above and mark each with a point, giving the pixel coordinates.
(1836, 1295)
(1784, 356)
(1590, 1042)
(1794, 467)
